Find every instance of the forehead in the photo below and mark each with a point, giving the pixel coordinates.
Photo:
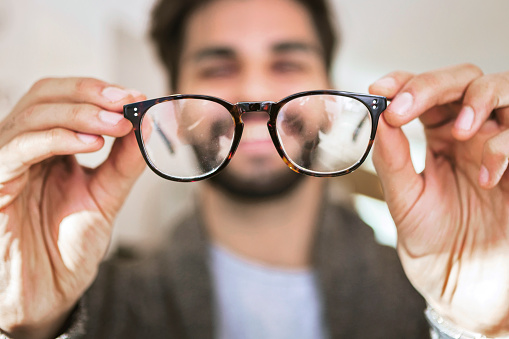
(250, 26)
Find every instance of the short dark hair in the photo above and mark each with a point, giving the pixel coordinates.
(169, 19)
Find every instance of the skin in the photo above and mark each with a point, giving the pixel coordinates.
(56, 216)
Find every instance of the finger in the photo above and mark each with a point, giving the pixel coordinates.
(392, 83)
(391, 157)
(10, 190)
(78, 90)
(113, 179)
(482, 97)
(439, 116)
(428, 90)
(494, 160)
(389, 85)
(83, 118)
(33, 147)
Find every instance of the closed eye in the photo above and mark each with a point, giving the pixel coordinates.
(288, 66)
(223, 70)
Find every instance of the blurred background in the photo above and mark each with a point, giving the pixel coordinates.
(107, 39)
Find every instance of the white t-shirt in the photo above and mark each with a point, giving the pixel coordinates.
(257, 301)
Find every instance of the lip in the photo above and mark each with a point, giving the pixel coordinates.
(256, 139)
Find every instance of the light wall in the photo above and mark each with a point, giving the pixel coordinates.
(106, 39)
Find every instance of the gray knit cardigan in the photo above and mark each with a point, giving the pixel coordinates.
(168, 295)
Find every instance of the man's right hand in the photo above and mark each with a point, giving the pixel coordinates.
(56, 216)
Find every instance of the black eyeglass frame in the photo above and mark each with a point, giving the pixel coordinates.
(136, 111)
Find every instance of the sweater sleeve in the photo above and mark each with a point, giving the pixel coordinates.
(74, 327)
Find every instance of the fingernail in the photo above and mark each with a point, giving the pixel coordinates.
(87, 138)
(110, 118)
(114, 94)
(484, 176)
(465, 119)
(387, 82)
(401, 104)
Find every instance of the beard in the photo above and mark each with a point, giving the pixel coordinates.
(264, 186)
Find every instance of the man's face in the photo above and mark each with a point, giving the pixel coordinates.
(252, 50)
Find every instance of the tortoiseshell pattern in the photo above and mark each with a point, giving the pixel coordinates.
(375, 104)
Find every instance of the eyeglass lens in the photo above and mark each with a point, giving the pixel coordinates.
(192, 137)
(324, 133)
(187, 138)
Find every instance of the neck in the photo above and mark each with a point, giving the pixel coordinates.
(277, 232)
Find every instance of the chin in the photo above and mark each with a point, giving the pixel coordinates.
(263, 185)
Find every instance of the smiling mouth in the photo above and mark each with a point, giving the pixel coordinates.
(256, 139)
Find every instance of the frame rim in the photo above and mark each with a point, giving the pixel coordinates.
(135, 113)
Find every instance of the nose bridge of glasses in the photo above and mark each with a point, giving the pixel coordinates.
(254, 106)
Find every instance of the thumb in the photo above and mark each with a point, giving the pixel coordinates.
(401, 185)
(113, 179)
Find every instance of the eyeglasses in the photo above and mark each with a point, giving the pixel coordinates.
(320, 133)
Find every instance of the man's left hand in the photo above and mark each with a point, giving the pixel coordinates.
(453, 218)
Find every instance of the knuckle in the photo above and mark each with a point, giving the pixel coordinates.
(75, 113)
(421, 85)
(80, 114)
(41, 83)
(500, 89)
(17, 143)
(82, 86)
(53, 136)
(472, 68)
(427, 79)
(484, 93)
(402, 75)
(20, 143)
(485, 83)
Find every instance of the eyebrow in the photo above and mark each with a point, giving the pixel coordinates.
(213, 52)
(224, 52)
(291, 46)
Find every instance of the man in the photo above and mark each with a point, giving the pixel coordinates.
(452, 220)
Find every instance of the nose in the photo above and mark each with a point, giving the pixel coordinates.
(256, 86)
